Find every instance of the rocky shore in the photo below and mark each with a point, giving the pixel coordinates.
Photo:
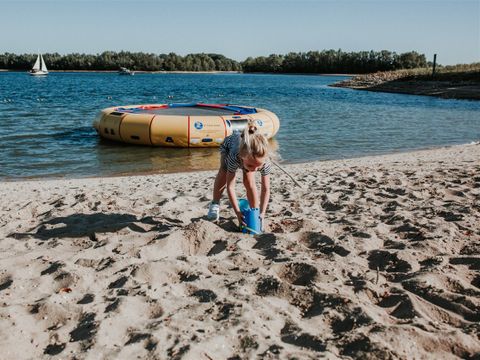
(445, 85)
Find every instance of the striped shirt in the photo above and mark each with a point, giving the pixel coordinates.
(230, 151)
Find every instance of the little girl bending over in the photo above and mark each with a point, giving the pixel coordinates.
(247, 151)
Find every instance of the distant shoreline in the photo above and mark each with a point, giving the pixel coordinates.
(135, 71)
(178, 72)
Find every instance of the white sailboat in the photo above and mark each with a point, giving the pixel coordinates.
(39, 68)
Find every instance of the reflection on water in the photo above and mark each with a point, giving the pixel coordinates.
(190, 160)
(46, 123)
(113, 156)
(120, 157)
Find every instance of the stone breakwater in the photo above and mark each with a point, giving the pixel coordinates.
(465, 87)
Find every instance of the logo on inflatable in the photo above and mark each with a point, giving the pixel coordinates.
(260, 122)
(198, 125)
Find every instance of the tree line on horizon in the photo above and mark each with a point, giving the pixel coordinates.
(111, 60)
(335, 61)
(326, 61)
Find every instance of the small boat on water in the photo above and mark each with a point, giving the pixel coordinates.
(39, 68)
(125, 71)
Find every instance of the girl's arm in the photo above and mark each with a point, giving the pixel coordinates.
(264, 195)
(251, 188)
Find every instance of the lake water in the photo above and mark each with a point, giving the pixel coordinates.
(46, 123)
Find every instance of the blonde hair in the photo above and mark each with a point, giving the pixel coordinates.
(252, 143)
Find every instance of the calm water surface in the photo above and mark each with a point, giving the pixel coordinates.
(45, 123)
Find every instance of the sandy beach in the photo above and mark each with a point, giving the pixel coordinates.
(373, 258)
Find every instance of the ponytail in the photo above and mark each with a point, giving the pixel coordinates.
(253, 143)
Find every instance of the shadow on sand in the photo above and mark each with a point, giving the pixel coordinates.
(79, 225)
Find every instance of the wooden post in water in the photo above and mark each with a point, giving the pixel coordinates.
(434, 64)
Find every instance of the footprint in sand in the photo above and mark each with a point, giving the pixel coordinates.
(54, 349)
(472, 248)
(386, 261)
(298, 273)
(351, 319)
(450, 216)
(473, 263)
(65, 280)
(394, 245)
(203, 295)
(398, 304)
(86, 299)
(292, 334)
(54, 266)
(476, 281)
(409, 232)
(218, 247)
(187, 276)
(118, 283)
(85, 331)
(431, 262)
(98, 265)
(156, 310)
(266, 243)
(149, 343)
(322, 243)
(5, 281)
(393, 219)
(224, 310)
(267, 286)
(53, 315)
(113, 305)
(361, 347)
(288, 225)
(330, 206)
(390, 207)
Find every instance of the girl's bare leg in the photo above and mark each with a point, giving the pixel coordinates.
(219, 185)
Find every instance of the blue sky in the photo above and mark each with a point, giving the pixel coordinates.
(243, 28)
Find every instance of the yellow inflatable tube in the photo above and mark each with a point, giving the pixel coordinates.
(181, 125)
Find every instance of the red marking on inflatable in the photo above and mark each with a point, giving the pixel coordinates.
(188, 134)
(224, 125)
(150, 130)
(152, 107)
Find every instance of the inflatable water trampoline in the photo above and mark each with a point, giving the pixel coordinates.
(181, 125)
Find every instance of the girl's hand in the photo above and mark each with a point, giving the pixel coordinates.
(241, 220)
